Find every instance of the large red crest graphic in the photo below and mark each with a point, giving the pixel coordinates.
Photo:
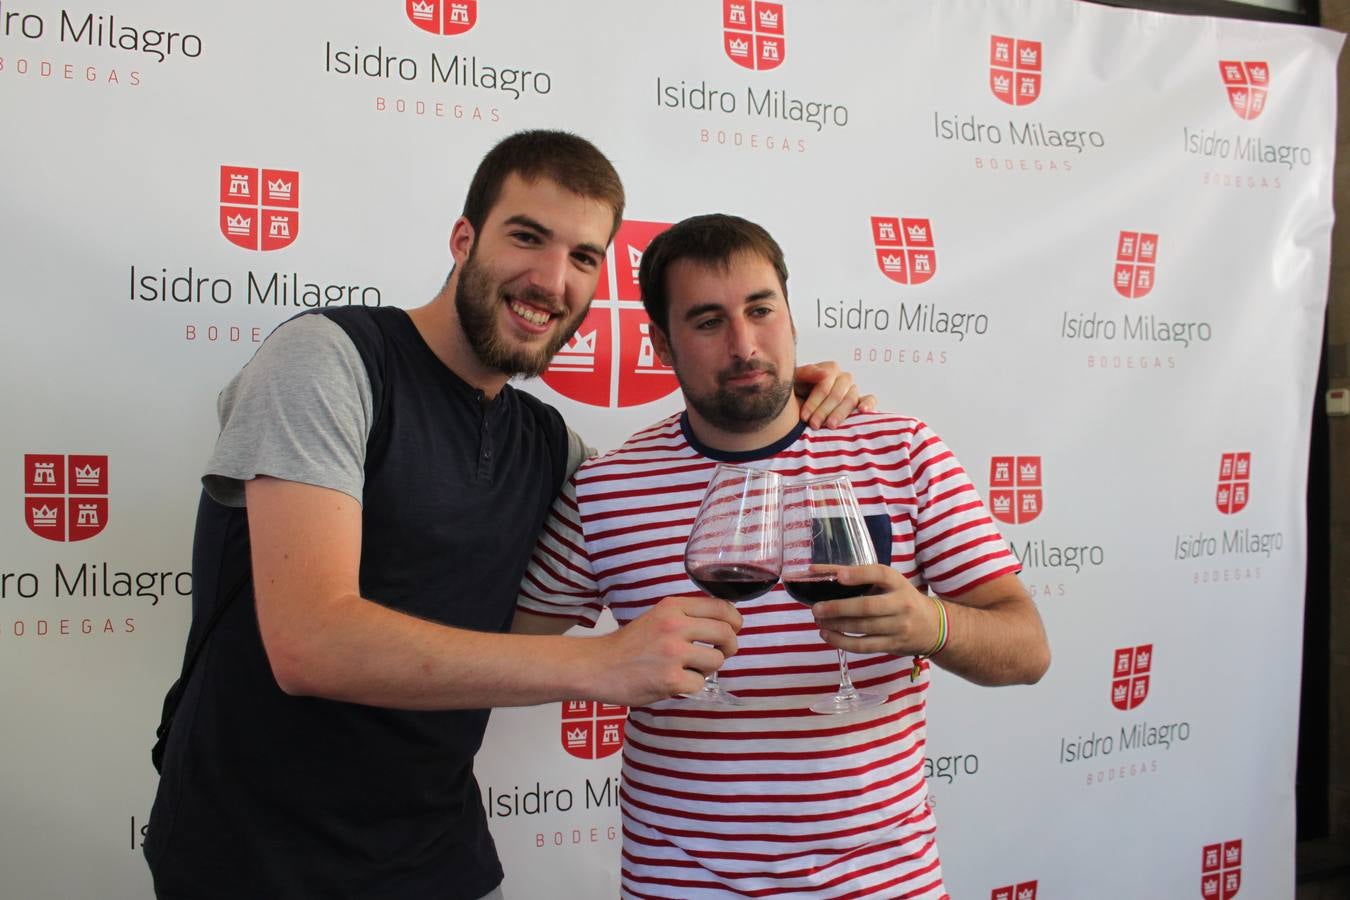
(611, 360)
(65, 495)
(1016, 485)
(1221, 870)
(1014, 70)
(442, 16)
(592, 730)
(752, 33)
(1024, 891)
(259, 208)
(1235, 487)
(905, 250)
(1130, 676)
(1248, 85)
(1136, 263)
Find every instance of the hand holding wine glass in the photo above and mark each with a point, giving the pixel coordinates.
(735, 549)
(822, 525)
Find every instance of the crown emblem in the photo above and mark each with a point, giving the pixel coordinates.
(1002, 504)
(739, 47)
(1141, 659)
(45, 515)
(582, 343)
(768, 18)
(1146, 248)
(87, 475)
(1123, 277)
(892, 262)
(1026, 894)
(1242, 464)
(423, 11)
(1028, 56)
(1029, 471)
(576, 737)
(239, 224)
(1231, 855)
(917, 232)
(1240, 97)
(1118, 692)
(1001, 82)
(280, 189)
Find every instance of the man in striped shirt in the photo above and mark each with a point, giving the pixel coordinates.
(770, 799)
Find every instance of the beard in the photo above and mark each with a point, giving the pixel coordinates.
(478, 300)
(740, 410)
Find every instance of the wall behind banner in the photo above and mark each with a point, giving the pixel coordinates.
(1090, 246)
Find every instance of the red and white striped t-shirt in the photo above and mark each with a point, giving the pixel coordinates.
(770, 800)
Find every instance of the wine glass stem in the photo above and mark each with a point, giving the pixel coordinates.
(846, 688)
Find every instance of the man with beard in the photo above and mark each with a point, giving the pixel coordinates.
(368, 511)
(769, 799)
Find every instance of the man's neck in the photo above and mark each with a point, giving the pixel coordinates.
(763, 435)
(438, 324)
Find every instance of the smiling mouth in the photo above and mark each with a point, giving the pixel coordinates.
(529, 313)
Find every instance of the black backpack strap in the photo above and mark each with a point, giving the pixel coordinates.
(377, 442)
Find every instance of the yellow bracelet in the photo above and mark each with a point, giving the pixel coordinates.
(941, 641)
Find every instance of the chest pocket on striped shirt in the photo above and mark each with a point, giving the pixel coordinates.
(879, 527)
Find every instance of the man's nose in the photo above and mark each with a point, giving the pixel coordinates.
(740, 339)
(548, 275)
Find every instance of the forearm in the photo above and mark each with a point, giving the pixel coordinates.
(1003, 643)
(358, 651)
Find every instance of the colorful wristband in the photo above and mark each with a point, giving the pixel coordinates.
(937, 645)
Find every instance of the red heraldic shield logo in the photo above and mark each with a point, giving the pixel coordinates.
(1014, 70)
(904, 247)
(442, 16)
(1024, 891)
(1015, 488)
(1248, 86)
(1130, 676)
(592, 730)
(1136, 263)
(65, 496)
(1235, 472)
(752, 33)
(259, 208)
(611, 360)
(1221, 870)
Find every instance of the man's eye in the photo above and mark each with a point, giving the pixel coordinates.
(707, 324)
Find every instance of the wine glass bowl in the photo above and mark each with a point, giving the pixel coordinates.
(735, 548)
(822, 525)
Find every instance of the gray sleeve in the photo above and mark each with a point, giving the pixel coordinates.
(301, 410)
(577, 451)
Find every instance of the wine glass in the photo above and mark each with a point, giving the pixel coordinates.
(822, 524)
(735, 549)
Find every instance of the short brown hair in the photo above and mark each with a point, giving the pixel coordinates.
(573, 162)
(709, 239)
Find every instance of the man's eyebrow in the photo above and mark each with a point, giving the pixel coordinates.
(547, 233)
(700, 309)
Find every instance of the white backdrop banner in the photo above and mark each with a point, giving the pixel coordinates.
(1090, 246)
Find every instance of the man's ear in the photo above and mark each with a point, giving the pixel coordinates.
(661, 344)
(461, 240)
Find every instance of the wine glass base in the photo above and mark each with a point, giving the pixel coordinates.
(713, 695)
(845, 703)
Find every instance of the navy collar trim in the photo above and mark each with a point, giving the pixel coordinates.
(735, 456)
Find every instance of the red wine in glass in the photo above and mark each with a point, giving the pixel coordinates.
(734, 581)
(822, 525)
(735, 548)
